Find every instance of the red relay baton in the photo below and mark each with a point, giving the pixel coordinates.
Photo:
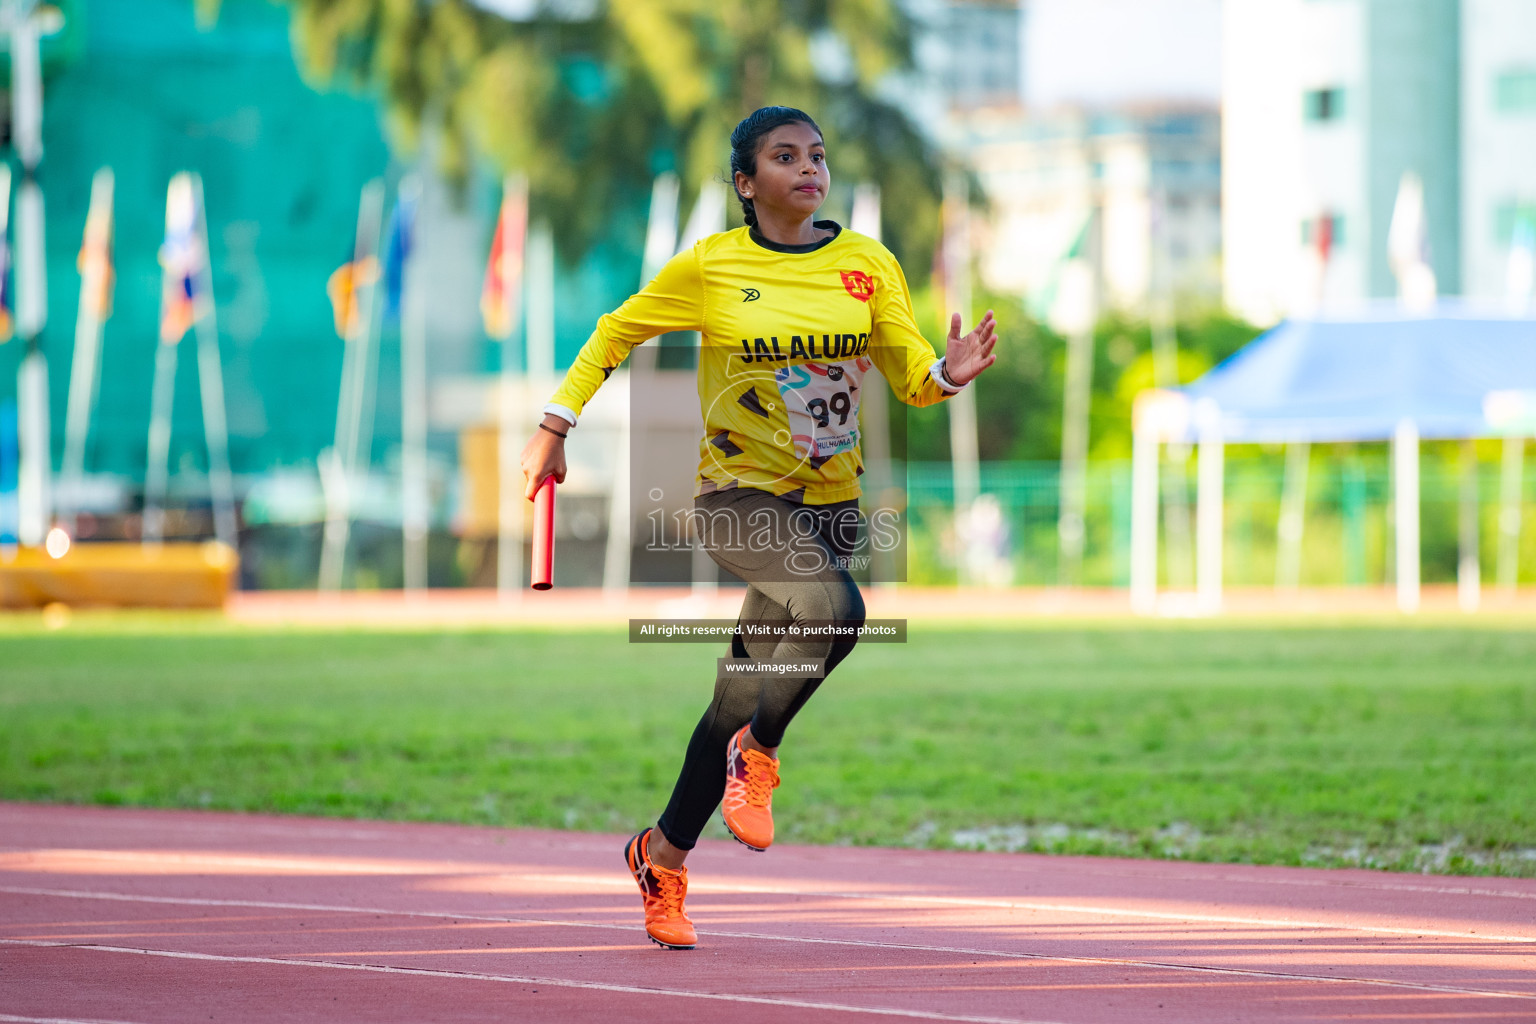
(542, 573)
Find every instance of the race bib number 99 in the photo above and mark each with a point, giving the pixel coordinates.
(822, 400)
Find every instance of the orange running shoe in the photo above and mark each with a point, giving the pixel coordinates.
(751, 776)
(662, 891)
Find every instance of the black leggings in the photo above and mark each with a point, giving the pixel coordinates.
(793, 558)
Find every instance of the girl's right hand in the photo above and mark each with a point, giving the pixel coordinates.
(544, 455)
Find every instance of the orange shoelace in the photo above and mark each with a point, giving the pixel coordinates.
(762, 777)
(672, 888)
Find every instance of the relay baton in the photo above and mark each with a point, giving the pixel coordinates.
(542, 573)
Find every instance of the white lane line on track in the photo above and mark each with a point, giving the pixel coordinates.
(806, 940)
(11, 1018)
(598, 986)
(703, 888)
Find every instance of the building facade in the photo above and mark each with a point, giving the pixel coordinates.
(1136, 192)
(1327, 106)
(1498, 133)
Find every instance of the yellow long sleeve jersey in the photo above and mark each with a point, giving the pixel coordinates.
(788, 334)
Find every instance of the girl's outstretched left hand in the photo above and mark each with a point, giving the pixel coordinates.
(966, 356)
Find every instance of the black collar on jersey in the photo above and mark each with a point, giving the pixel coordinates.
(829, 225)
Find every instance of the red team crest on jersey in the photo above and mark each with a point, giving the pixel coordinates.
(858, 284)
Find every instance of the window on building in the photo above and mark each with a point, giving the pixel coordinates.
(1323, 104)
(984, 52)
(1514, 91)
(1510, 214)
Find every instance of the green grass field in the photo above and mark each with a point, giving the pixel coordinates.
(1375, 744)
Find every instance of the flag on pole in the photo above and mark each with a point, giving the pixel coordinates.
(1408, 246)
(1407, 239)
(7, 296)
(1520, 274)
(397, 250)
(504, 268)
(344, 287)
(183, 260)
(95, 261)
(1323, 237)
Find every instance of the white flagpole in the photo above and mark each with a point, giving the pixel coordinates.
(1405, 459)
(1144, 466)
(36, 468)
(1293, 515)
(1165, 373)
(874, 403)
(1076, 320)
(660, 245)
(210, 375)
(415, 503)
(85, 374)
(161, 398)
(1509, 512)
(707, 218)
(964, 463)
(162, 395)
(510, 501)
(340, 476)
(540, 342)
(1209, 506)
(1469, 582)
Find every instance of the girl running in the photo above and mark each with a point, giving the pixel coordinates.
(793, 312)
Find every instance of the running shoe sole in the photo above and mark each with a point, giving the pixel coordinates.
(743, 842)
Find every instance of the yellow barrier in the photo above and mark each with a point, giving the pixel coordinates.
(119, 575)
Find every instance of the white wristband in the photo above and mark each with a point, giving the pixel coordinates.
(561, 411)
(936, 371)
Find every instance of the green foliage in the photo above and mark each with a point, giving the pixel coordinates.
(592, 110)
(1369, 744)
(1019, 400)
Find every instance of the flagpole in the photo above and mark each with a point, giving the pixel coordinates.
(964, 459)
(509, 492)
(85, 374)
(1077, 395)
(660, 245)
(1165, 374)
(31, 277)
(162, 394)
(415, 503)
(210, 374)
(874, 405)
(339, 476)
(161, 400)
(708, 217)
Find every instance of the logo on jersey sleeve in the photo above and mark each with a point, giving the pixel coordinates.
(858, 284)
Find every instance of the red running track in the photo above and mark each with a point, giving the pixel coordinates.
(144, 917)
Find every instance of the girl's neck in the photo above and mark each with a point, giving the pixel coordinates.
(789, 231)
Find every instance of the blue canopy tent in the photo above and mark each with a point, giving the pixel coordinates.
(1379, 374)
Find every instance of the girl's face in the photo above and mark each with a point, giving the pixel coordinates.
(792, 176)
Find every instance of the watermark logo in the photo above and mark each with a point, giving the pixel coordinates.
(704, 631)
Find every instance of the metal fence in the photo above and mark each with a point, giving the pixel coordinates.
(1347, 529)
